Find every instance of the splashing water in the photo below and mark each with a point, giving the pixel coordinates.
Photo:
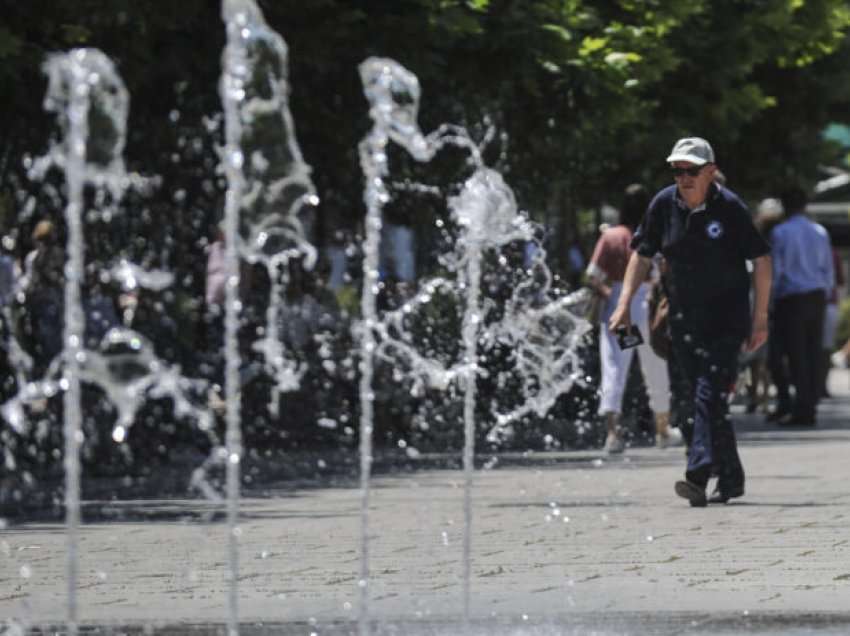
(393, 94)
(485, 210)
(267, 175)
(268, 186)
(89, 98)
(486, 213)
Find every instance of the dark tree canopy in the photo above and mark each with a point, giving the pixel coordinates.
(585, 96)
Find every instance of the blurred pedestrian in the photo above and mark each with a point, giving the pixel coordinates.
(397, 249)
(804, 276)
(43, 286)
(605, 275)
(706, 236)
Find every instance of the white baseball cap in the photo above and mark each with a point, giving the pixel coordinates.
(696, 150)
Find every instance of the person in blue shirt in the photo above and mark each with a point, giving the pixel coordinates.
(804, 275)
(706, 236)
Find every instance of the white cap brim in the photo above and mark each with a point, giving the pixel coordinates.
(698, 161)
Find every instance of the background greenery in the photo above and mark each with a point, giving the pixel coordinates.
(586, 96)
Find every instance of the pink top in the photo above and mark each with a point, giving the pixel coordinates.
(612, 252)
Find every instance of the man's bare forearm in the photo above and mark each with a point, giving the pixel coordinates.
(762, 279)
(636, 273)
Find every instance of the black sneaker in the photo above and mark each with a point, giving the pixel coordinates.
(693, 493)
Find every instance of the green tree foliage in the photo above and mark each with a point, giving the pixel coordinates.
(587, 96)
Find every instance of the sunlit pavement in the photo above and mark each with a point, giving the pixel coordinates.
(562, 543)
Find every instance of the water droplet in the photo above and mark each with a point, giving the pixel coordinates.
(119, 433)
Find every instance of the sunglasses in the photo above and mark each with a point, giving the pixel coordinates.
(691, 172)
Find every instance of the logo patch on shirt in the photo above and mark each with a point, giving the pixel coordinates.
(714, 230)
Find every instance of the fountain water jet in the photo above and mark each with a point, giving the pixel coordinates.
(488, 218)
(393, 93)
(91, 103)
(268, 185)
(85, 87)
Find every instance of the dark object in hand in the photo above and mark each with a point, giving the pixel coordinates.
(628, 338)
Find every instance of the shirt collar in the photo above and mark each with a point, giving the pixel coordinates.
(713, 192)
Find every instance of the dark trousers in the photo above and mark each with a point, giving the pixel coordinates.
(799, 325)
(711, 366)
(776, 364)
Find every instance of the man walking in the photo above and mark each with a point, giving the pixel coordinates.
(804, 276)
(705, 233)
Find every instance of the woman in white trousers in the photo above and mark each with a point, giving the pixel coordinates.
(605, 275)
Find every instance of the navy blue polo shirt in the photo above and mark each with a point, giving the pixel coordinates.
(706, 251)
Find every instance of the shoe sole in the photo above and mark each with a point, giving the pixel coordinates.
(691, 492)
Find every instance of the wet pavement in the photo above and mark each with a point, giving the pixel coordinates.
(563, 543)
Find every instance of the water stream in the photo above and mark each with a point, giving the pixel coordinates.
(269, 193)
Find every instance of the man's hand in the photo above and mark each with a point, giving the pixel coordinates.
(636, 272)
(621, 318)
(758, 334)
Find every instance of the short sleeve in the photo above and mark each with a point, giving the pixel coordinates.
(647, 238)
(753, 244)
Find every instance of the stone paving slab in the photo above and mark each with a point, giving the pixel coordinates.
(555, 536)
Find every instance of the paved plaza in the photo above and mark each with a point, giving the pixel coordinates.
(569, 538)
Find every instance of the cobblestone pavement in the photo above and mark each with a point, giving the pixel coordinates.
(570, 539)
